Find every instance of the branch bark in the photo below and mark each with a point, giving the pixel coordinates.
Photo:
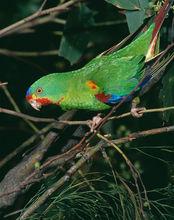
(13, 53)
(86, 156)
(31, 20)
(12, 180)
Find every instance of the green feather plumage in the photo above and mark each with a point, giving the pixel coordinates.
(117, 73)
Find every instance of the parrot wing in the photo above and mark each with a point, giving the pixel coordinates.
(116, 78)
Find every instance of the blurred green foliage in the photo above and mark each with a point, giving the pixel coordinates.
(76, 33)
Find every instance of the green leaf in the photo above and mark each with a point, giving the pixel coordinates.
(135, 11)
(144, 4)
(72, 47)
(76, 35)
(126, 4)
(136, 18)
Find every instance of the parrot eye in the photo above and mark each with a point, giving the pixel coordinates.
(39, 90)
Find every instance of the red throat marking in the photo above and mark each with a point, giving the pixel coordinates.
(43, 101)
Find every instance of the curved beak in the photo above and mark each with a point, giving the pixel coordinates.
(33, 102)
(36, 105)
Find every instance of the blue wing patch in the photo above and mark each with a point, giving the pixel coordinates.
(117, 98)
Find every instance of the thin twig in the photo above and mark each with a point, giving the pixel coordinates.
(3, 84)
(81, 161)
(86, 122)
(25, 116)
(10, 98)
(7, 52)
(26, 143)
(133, 170)
(15, 106)
(37, 119)
(42, 6)
(58, 184)
(116, 175)
(145, 111)
(22, 171)
(19, 25)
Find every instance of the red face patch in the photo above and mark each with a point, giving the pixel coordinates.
(28, 97)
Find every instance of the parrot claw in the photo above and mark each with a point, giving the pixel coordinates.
(137, 112)
(94, 122)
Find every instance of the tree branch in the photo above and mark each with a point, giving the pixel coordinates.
(86, 156)
(12, 180)
(25, 144)
(20, 24)
(25, 116)
(15, 106)
(3, 84)
(49, 120)
(7, 52)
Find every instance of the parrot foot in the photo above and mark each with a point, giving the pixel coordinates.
(94, 122)
(137, 112)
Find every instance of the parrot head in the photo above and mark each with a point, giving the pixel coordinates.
(46, 90)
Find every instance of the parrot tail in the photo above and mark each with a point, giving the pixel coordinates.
(155, 68)
(158, 21)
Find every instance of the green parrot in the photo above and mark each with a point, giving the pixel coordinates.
(105, 80)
